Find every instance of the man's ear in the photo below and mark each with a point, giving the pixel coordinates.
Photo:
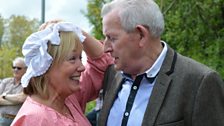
(143, 33)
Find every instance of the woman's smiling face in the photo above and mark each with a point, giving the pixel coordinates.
(64, 77)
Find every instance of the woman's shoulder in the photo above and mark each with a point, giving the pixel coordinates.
(31, 113)
(33, 108)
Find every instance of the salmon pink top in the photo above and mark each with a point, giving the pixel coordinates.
(33, 113)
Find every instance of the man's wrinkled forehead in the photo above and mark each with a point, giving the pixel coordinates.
(111, 20)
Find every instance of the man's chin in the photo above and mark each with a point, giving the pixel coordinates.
(117, 67)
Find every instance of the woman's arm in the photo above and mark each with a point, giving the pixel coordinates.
(92, 47)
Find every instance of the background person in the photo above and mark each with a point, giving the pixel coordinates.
(154, 85)
(59, 86)
(93, 115)
(11, 91)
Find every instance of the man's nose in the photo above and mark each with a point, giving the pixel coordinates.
(107, 47)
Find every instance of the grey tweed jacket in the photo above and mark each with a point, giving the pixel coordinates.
(186, 93)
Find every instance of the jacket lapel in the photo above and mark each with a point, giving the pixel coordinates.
(110, 96)
(160, 88)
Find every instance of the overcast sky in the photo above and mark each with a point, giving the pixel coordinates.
(68, 10)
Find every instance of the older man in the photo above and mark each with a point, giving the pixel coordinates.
(11, 92)
(153, 84)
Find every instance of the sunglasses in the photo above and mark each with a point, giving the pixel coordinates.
(15, 67)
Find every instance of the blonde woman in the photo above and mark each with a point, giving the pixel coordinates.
(56, 82)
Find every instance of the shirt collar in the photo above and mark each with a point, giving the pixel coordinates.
(153, 71)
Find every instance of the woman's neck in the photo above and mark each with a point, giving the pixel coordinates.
(55, 102)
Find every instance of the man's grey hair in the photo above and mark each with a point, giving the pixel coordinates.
(137, 12)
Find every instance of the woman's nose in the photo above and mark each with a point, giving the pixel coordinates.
(81, 68)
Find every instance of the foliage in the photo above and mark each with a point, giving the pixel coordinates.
(194, 28)
(6, 57)
(90, 106)
(93, 14)
(16, 29)
(20, 28)
(1, 29)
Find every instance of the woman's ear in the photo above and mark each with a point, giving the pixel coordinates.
(143, 34)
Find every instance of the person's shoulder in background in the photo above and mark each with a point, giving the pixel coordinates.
(7, 80)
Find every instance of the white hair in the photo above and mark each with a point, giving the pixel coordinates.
(19, 60)
(137, 12)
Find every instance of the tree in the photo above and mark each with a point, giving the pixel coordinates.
(6, 57)
(1, 29)
(17, 29)
(196, 29)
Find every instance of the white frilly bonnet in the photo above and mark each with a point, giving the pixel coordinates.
(35, 47)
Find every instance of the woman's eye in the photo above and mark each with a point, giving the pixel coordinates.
(72, 58)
